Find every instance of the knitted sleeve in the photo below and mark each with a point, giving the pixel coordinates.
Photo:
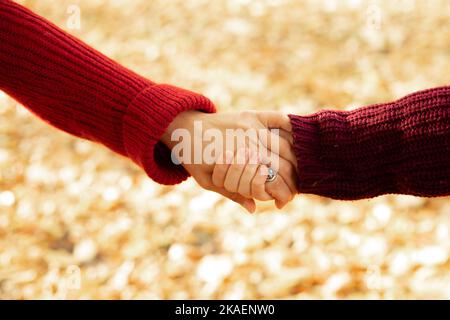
(400, 147)
(79, 90)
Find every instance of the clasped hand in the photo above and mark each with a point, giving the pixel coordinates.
(239, 170)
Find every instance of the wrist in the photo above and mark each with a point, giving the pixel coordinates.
(184, 120)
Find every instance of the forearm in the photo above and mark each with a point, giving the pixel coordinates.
(401, 147)
(79, 90)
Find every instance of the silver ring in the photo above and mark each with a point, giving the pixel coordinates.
(271, 176)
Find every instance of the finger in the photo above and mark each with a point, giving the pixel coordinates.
(248, 204)
(284, 168)
(245, 183)
(221, 168)
(286, 136)
(279, 190)
(258, 184)
(275, 119)
(273, 141)
(234, 173)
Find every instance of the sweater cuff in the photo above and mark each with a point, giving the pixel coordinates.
(147, 118)
(331, 161)
(311, 172)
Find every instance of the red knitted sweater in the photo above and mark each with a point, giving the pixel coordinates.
(399, 147)
(79, 90)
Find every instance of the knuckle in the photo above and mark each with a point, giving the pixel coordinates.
(228, 186)
(244, 191)
(258, 195)
(217, 182)
(257, 191)
(256, 184)
(264, 197)
(217, 179)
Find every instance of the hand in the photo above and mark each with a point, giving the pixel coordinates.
(243, 173)
(282, 160)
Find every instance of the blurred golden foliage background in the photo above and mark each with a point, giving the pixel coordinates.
(77, 221)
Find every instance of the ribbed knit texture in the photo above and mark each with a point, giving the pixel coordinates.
(79, 90)
(399, 147)
(402, 147)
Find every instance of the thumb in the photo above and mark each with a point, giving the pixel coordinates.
(275, 120)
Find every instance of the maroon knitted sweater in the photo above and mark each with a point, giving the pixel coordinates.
(399, 147)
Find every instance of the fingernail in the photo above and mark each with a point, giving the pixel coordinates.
(279, 205)
(250, 206)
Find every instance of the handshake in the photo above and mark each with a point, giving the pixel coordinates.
(244, 156)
